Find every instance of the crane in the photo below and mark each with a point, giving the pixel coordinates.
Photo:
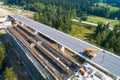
(91, 52)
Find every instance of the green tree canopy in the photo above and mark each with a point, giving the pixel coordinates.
(2, 56)
(10, 74)
(109, 39)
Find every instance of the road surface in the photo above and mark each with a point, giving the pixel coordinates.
(110, 64)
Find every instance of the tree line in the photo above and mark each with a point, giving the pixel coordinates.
(104, 11)
(107, 38)
(55, 13)
(79, 7)
(113, 2)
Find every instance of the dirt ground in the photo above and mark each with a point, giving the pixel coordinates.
(4, 12)
(7, 11)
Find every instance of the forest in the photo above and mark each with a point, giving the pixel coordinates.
(113, 2)
(106, 38)
(58, 14)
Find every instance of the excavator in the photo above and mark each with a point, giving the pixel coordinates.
(91, 52)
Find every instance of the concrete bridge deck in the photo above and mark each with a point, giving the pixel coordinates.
(111, 62)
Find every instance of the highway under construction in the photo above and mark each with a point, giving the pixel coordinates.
(60, 54)
(60, 65)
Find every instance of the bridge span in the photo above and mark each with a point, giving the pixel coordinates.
(107, 61)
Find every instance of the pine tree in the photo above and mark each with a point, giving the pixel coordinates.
(98, 39)
(107, 45)
(99, 28)
(10, 74)
(36, 16)
(2, 55)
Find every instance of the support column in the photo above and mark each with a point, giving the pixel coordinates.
(62, 48)
(16, 22)
(21, 24)
(32, 45)
(118, 78)
(35, 33)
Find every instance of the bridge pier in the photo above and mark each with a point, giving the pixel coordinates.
(62, 48)
(32, 45)
(21, 24)
(16, 22)
(35, 33)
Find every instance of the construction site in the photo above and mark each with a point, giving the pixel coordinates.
(62, 65)
(58, 56)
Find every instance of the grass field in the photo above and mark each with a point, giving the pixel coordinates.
(81, 32)
(96, 19)
(108, 6)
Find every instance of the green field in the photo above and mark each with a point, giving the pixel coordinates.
(82, 31)
(96, 19)
(108, 6)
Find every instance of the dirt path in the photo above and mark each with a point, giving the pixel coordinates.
(4, 12)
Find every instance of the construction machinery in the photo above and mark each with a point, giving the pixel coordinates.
(91, 52)
(88, 72)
